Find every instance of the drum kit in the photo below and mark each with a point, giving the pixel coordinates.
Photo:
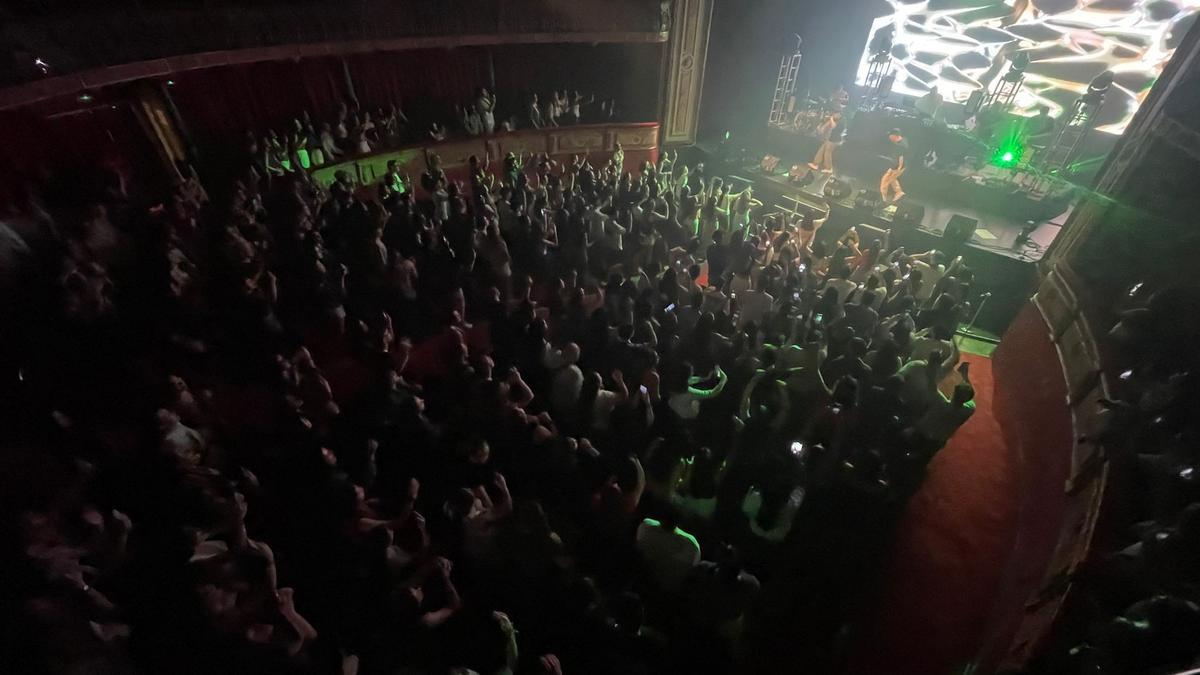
(812, 113)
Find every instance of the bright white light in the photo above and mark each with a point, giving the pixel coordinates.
(958, 46)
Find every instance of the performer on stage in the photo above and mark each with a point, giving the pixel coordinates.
(832, 132)
(1039, 129)
(839, 99)
(930, 103)
(891, 178)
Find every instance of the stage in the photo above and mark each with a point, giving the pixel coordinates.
(1003, 260)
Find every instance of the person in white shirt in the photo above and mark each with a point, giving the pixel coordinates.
(614, 234)
(669, 552)
(554, 358)
(932, 266)
(753, 305)
(945, 415)
(596, 403)
(179, 439)
(564, 390)
(861, 315)
(328, 144)
(486, 105)
(775, 524)
(920, 383)
(842, 284)
(685, 397)
(597, 219)
(471, 121)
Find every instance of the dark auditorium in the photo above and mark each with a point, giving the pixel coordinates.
(599, 337)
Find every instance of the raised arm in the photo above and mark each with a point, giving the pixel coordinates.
(722, 380)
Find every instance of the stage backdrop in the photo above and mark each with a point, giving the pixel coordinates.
(957, 46)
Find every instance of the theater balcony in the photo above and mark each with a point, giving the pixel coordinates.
(56, 46)
(1111, 332)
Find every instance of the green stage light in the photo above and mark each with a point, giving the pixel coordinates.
(1008, 154)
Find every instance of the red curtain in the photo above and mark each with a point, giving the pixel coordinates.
(224, 103)
(221, 104)
(427, 83)
(627, 72)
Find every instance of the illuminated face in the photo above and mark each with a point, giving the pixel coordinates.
(895, 138)
(959, 46)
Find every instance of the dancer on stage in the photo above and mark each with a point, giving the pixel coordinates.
(891, 178)
(832, 131)
(839, 99)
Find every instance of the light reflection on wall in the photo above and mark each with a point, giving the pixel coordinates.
(957, 46)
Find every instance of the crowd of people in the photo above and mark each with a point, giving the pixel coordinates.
(351, 131)
(1137, 606)
(560, 417)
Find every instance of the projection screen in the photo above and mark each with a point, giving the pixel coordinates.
(957, 46)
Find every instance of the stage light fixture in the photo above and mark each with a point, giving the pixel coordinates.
(1017, 66)
(1097, 88)
(881, 43)
(1008, 154)
(1011, 146)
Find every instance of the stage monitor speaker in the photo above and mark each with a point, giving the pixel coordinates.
(836, 189)
(866, 200)
(974, 102)
(958, 232)
(909, 213)
(885, 85)
(801, 176)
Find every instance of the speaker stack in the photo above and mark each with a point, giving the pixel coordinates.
(867, 200)
(958, 232)
(835, 188)
(908, 214)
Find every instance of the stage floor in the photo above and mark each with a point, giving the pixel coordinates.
(995, 234)
(1004, 270)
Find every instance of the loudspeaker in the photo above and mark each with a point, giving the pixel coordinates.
(836, 189)
(974, 103)
(909, 213)
(867, 200)
(801, 176)
(958, 232)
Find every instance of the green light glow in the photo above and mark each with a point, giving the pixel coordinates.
(1008, 153)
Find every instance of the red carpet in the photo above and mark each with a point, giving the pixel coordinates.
(950, 551)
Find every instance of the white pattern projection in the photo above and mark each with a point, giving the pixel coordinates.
(957, 46)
